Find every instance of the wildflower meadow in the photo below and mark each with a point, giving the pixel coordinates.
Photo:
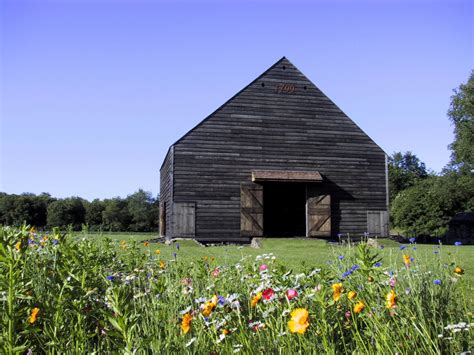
(76, 294)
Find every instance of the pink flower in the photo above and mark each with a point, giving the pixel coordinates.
(268, 294)
(392, 282)
(348, 314)
(216, 272)
(263, 267)
(290, 294)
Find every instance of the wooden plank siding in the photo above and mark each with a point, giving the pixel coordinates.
(262, 128)
(166, 191)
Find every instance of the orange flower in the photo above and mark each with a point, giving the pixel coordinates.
(406, 260)
(359, 307)
(458, 270)
(34, 315)
(391, 299)
(147, 243)
(256, 299)
(225, 331)
(351, 295)
(299, 321)
(18, 246)
(162, 264)
(186, 323)
(337, 291)
(209, 306)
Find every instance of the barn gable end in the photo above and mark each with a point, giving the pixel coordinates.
(279, 122)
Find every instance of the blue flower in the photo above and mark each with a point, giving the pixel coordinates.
(346, 274)
(31, 241)
(110, 278)
(341, 257)
(55, 242)
(355, 267)
(177, 246)
(221, 300)
(174, 255)
(378, 264)
(402, 247)
(436, 252)
(381, 247)
(437, 282)
(414, 248)
(412, 240)
(457, 244)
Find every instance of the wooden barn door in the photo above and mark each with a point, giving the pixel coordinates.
(251, 210)
(318, 216)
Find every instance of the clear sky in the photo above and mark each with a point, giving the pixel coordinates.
(94, 92)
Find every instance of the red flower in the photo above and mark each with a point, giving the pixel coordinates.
(268, 294)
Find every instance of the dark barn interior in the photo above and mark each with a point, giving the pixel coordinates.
(284, 212)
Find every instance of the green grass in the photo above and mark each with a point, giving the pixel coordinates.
(299, 254)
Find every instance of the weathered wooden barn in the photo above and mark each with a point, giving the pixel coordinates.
(278, 159)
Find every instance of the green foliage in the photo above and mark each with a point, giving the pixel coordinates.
(25, 208)
(404, 171)
(461, 114)
(427, 207)
(116, 216)
(130, 299)
(143, 209)
(68, 211)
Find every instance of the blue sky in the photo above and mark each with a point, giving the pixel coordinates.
(94, 92)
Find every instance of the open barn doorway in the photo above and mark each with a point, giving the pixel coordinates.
(284, 213)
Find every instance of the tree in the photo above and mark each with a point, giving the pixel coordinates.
(94, 212)
(115, 216)
(427, 207)
(461, 115)
(68, 211)
(404, 170)
(25, 208)
(141, 206)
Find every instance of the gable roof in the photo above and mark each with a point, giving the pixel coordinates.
(285, 64)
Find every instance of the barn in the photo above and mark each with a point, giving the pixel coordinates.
(278, 159)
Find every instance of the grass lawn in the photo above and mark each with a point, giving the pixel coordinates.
(301, 254)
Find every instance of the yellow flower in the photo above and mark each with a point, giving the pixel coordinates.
(186, 323)
(146, 243)
(123, 244)
(162, 264)
(337, 291)
(157, 252)
(351, 295)
(256, 299)
(18, 246)
(34, 315)
(391, 299)
(299, 321)
(458, 270)
(359, 307)
(406, 260)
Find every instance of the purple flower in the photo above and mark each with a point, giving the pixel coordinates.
(174, 255)
(355, 267)
(110, 278)
(414, 248)
(436, 252)
(177, 246)
(381, 246)
(402, 247)
(221, 300)
(55, 242)
(346, 274)
(457, 244)
(437, 282)
(412, 240)
(379, 264)
(341, 257)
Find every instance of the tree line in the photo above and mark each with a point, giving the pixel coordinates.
(138, 212)
(423, 202)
